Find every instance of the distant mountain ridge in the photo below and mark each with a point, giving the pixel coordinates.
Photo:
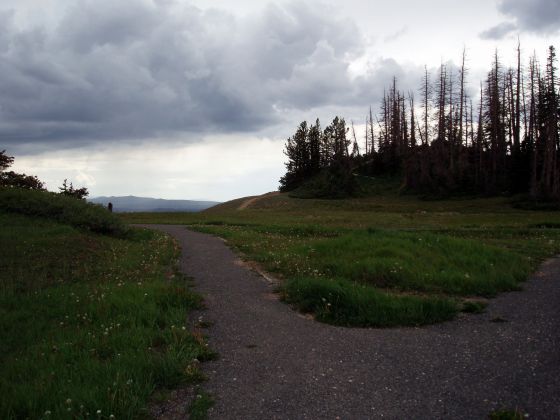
(132, 204)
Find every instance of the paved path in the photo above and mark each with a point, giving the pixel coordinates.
(275, 364)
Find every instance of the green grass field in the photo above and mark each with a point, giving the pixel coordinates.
(92, 325)
(386, 259)
(93, 314)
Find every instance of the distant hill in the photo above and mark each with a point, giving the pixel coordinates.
(131, 203)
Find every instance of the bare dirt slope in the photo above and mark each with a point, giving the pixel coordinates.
(276, 364)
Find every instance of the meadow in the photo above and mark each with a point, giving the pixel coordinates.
(383, 259)
(93, 314)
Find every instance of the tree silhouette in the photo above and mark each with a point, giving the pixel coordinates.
(11, 179)
(512, 146)
(70, 191)
(5, 161)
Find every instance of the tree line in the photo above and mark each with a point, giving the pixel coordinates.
(11, 179)
(442, 143)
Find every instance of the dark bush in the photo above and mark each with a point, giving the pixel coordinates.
(12, 179)
(61, 208)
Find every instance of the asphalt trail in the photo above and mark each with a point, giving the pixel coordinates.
(276, 364)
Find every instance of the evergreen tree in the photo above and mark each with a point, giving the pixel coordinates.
(511, 146)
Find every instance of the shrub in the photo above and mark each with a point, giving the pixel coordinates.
(12, 179)
(61, 208)
(70, 191)
(334, 182)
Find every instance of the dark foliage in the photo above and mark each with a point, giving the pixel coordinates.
(61, 208)
(322, 156)
(5, 161)
(12, 179)
(70, 191)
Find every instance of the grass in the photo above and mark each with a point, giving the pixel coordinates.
(506, 414)
(340, 302)
(419, 261)
(384, 259)
(91, 324)
(65, 209)
(376, 277)
(200, 406)
(474, 307)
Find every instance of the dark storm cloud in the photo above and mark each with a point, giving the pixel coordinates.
(136, 69)
(541, 16)
(113, 71)
(536, 16)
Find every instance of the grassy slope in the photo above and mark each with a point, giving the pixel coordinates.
(90, 323)
(67, 210)
(385, 259)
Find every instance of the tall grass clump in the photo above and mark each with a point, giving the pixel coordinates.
(64, 209)
(345, 303)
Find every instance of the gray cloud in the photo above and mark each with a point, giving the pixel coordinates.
(115, 71)
(536, 16)
(499, 31)
(541, 16)
(396, 35)
(137, 69)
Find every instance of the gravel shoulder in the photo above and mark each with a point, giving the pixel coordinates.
(276, 364)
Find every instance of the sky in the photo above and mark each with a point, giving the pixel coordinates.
(194, 99)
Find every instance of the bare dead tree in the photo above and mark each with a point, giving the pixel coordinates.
(462, 76)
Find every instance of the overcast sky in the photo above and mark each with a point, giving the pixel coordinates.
(194, 99)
